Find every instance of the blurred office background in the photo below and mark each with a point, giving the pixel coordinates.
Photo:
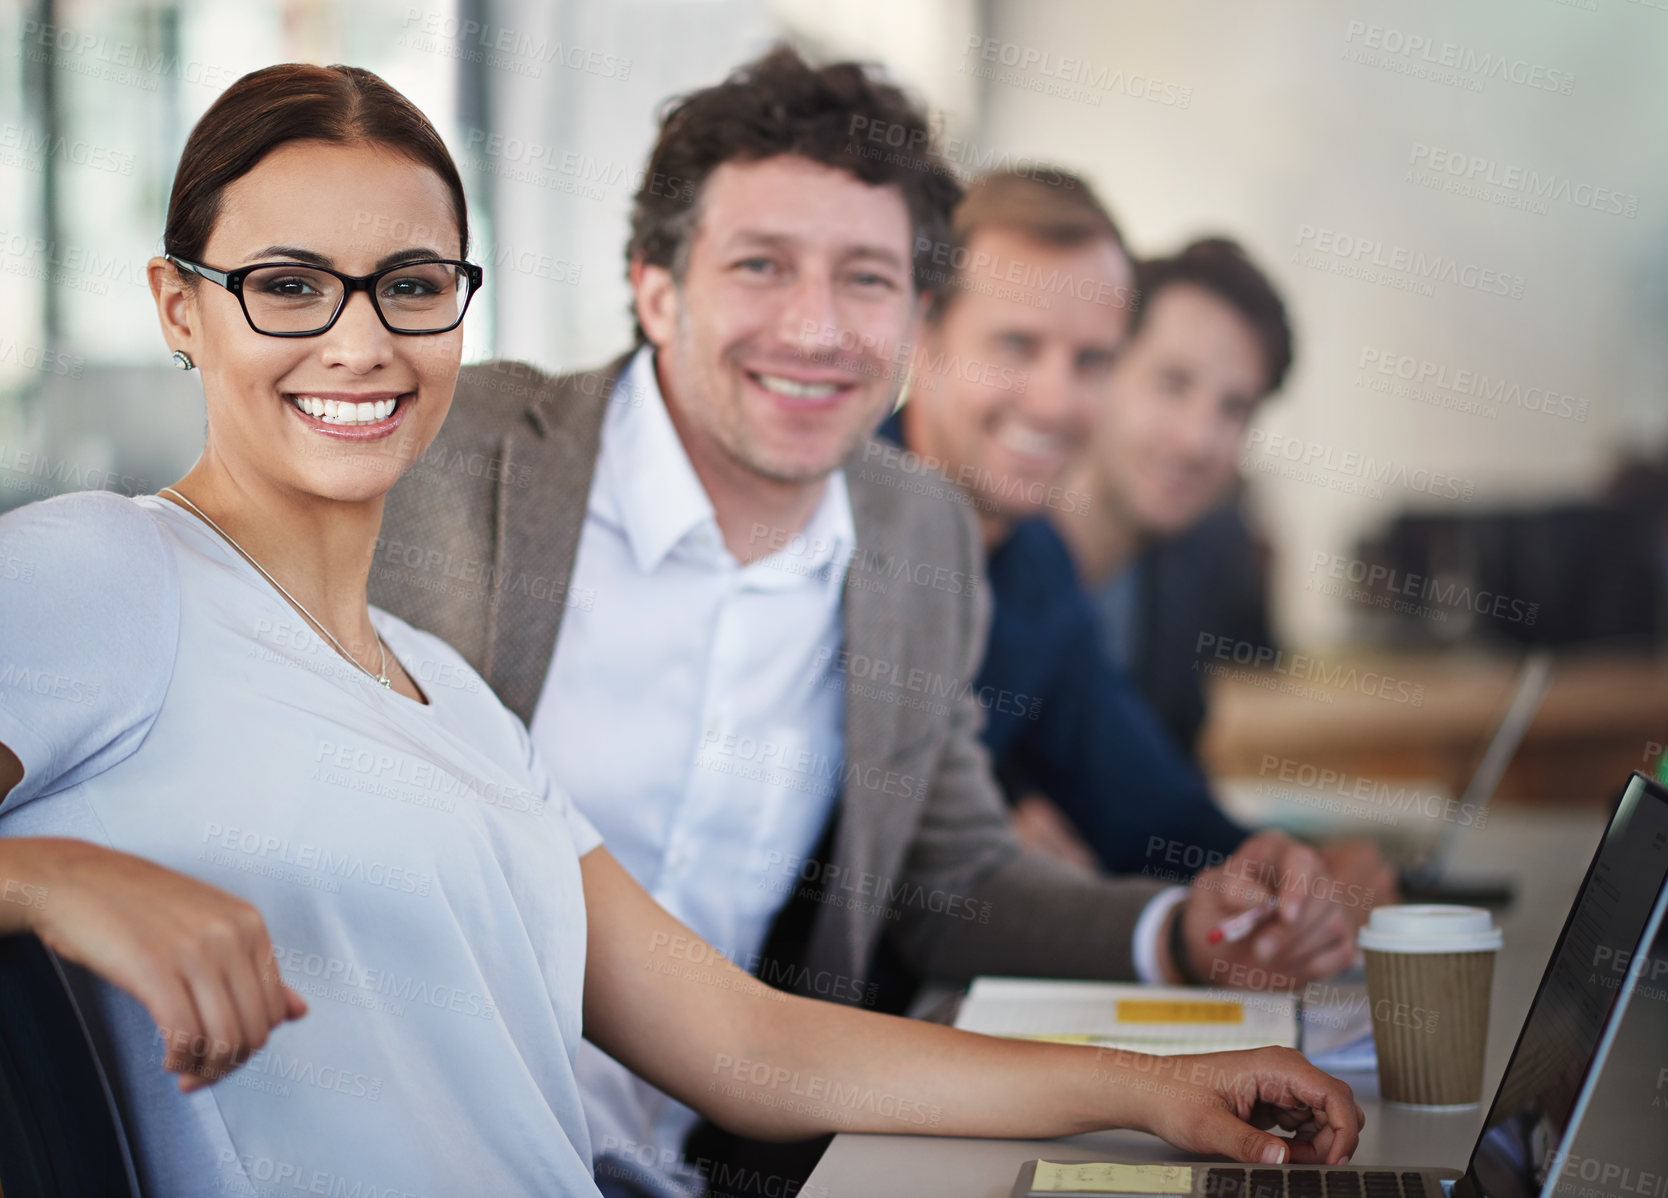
(1466, 207)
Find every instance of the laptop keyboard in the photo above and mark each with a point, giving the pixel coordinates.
(1312, 1183)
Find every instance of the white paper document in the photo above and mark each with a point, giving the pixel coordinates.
(1156, 1019)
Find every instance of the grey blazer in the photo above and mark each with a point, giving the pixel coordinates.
(478, 545)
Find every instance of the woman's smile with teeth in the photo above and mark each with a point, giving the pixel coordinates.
(332, 411)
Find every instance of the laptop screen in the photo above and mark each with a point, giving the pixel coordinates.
(1531, 1113)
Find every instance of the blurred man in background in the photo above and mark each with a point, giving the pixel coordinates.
(1164, 550)
(1013, 372)
(1014, 364)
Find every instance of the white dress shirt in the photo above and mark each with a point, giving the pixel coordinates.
(692, 712)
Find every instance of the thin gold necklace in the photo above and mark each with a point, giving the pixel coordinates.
(381, 677)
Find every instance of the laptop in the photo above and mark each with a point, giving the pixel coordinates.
(1423, 854)
(1609, 956)
(1429, 879)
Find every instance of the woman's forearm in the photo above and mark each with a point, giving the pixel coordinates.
(25, 865)
(773, 1066)
(814, 1067)
(810, 1068)
(197, 958)
(22, 890)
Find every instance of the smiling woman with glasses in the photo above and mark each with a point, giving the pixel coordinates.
(291, 846)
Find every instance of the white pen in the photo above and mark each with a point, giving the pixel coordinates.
(1238, 927)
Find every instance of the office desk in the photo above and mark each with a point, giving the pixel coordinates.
(1602, 718)
(1545, 851)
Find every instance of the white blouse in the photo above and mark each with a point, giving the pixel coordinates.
(417, 871)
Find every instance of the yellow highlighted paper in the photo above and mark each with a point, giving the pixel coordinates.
(1138, 1010)
(1095, 1177)
(1155, 1019)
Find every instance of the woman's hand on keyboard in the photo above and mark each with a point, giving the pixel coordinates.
(1226, 1102)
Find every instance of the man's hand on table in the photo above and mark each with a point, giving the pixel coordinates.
(1359, 864)
(1310, 936)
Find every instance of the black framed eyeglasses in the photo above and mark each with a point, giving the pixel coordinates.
(288, 299)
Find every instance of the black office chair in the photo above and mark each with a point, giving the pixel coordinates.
(60, 1136)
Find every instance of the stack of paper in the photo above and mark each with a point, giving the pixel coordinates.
(1156, 1019)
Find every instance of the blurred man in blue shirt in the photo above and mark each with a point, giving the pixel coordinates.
(1011, 374)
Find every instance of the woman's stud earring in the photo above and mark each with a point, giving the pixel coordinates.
(183, 360)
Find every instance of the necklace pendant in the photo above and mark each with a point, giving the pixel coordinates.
(385, 682)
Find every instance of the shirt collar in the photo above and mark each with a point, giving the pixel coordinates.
(656, 495)
(659, 501)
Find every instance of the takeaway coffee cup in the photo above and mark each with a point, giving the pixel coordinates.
(1429, 971)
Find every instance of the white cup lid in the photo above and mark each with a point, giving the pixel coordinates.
(1430, 928)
